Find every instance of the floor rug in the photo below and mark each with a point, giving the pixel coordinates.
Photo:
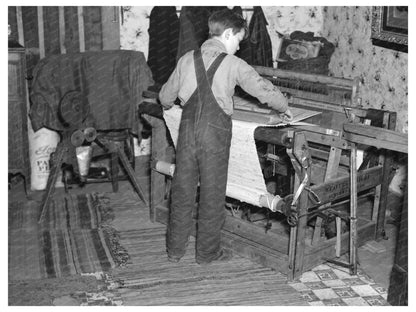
(75, 237)
(149, 279)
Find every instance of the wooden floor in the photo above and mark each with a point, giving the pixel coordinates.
(149, 279)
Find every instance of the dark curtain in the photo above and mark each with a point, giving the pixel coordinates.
(245, 49)
(163, 42)
(194, 27)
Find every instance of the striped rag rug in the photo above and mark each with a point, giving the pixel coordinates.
(75, 237)
(149, 279)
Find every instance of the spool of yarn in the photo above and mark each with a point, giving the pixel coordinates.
(165, 168)
(272, 202)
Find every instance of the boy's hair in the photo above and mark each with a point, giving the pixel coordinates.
(224, 19)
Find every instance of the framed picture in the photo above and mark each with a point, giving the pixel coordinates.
(389, 27)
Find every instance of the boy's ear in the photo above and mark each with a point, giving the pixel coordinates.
(227, 33)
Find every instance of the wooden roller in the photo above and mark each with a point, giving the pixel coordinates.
(272, 202)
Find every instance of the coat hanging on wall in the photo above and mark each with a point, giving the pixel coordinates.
(163, 42)
(238, 10)
(257, 48)
(245, 50)
(194, 27)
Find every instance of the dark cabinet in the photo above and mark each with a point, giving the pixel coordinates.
(17, 112)
(398, 288)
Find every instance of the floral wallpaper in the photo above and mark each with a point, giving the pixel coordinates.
(283, 20)
(133, 28)
(383, 72)
(286, 19)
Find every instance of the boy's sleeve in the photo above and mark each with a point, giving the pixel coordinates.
(169, 91)
(251, 82)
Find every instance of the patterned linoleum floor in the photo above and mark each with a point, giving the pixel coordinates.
(331, 285)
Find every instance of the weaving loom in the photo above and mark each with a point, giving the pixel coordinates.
(311, 164)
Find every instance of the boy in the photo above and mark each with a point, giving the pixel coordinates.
(203, 146)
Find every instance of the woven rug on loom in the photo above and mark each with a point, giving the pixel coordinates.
(75, 237)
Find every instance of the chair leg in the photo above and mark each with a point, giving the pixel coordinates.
(130, 172)
(53, 175)
(114, 171)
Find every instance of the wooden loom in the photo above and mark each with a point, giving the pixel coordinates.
(318, 170)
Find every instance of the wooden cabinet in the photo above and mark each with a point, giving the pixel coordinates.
(17, 112)
(399, 277)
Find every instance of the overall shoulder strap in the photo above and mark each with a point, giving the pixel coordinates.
(214, 66)
(201, 74)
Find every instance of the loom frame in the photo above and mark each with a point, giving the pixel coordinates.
(273, 250)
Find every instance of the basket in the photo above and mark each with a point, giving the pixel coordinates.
(303, 52)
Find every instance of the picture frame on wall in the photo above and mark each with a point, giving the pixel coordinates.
(389, 27)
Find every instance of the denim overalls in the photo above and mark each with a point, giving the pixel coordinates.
(202, 155)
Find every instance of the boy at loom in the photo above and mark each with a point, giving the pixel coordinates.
(203, 147)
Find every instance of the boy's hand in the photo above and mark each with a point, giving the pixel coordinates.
(286, 116)
(278, 118)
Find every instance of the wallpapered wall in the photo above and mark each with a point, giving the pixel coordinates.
(283, 20)
(383, 72)
(134, 26)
